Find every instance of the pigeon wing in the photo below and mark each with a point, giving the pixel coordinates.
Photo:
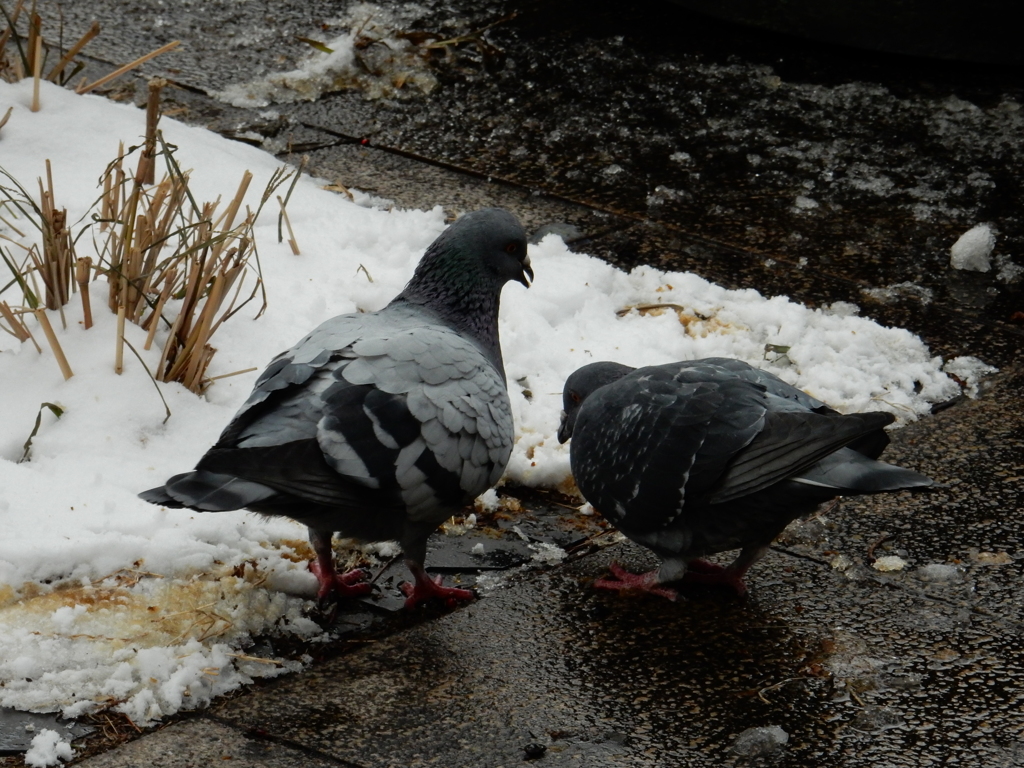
(409, 410)
(420, 408)
(643, 443)
(790, 442)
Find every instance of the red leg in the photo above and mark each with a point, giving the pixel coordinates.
(625, 581)
(425, 588)
(349, 584)
(703, 572)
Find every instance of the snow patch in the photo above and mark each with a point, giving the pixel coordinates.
(973, 249)
(760, 742)
(970, 371)
(889, 563)
(107, 601)
(48, 748)
(386, 63)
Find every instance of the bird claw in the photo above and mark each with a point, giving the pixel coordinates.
(635, 582)
(349, 584)
(427, 588)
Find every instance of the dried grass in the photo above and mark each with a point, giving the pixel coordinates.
(159, 247)
(24, 53)
(170, 262)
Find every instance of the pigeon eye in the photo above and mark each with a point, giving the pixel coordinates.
(575, 396)
(512, 248)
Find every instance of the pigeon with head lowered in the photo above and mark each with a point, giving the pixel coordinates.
(693, 458)
(380, 426)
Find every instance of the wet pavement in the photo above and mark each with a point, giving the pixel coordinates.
(651, 135)
(858, 667)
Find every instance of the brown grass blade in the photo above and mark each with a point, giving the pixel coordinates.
(51, 339)
(85, 88)
(73, 51)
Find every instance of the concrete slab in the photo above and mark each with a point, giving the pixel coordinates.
(859, 667)
(201, 743)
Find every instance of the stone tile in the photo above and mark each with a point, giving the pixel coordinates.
(201, 743)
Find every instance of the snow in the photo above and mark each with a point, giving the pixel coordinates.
(938, 573)
(760, 742)
(970, 371)
(48, 748)
(973, 249)
(889, 563)
(107, 601)
(394, 64)
(890, 294)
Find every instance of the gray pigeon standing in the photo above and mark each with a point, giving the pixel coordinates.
(382, 425)
(693, 458)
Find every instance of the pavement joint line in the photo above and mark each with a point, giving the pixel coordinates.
(633, 219)
(489, 177)
(250, 733)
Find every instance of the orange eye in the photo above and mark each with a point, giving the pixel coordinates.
(575, 397)
(512, 248)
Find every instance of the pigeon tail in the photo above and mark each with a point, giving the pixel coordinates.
(160, 497)
(208, 492)
(848, 472)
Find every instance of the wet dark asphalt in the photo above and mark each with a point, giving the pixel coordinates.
(655, 136)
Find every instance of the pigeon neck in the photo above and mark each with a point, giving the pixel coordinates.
(461, 298)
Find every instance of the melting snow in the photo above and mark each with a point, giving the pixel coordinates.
(107, 601)
(48, 748)
(973, 249)
(760, 742)
(373, 57)
(889, 563)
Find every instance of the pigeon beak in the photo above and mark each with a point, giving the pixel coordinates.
(564, 431)
(527, 270)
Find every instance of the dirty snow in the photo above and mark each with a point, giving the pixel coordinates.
(889, 563)
(938, 573)
(970, 371)
(973, 249)
(107, 601)
(760, 742)
(370, 57)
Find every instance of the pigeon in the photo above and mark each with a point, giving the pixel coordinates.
(694, 458)
(379, 426)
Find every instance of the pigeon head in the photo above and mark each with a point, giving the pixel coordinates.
(482, 250)
(461, 274)
(580, 385)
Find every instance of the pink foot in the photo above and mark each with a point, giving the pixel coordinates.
(643, 582)
(349, 584)
(426, 588)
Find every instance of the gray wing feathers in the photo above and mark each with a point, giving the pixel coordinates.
(455, 394)
(296, 366)
(790, 442)
(215, 492)
(438, 395)
(774, 386)
(847, 471)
